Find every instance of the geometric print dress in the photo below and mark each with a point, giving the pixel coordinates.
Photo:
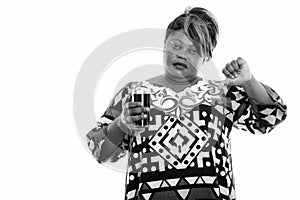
(185, 152)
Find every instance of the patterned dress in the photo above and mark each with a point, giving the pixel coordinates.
(185, 153)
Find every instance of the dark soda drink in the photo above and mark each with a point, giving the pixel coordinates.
(144, 98)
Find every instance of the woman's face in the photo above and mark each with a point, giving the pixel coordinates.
(181, 59)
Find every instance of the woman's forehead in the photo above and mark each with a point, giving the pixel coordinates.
(180, 37)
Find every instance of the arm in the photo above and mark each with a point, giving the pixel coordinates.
(256, 90)
(254, 116)
(256, 106)
(108, 141)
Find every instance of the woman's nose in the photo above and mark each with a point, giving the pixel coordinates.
(181, 57)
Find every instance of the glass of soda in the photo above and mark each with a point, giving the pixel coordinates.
(142, 95)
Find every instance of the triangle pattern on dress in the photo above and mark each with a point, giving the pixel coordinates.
(217, 191)
(173, 181)
(191, 180)
(145, 186)
(164, 184)
(183, 193)
(146, 196)
(209, 179)
(200, 180)
(154, 184)
(183, 182)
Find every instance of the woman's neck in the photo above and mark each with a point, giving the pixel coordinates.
(181, 81)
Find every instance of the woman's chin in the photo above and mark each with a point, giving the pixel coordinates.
(178, 74)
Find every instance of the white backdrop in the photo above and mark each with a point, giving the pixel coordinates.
(43, 45)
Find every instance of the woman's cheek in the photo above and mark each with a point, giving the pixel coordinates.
(168, 58)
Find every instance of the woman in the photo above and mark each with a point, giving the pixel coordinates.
(185, 152)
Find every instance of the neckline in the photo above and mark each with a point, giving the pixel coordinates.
(165, 87)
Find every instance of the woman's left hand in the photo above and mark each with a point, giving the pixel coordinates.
(236, 72)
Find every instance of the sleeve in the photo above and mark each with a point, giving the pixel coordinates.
(99, 134)
(253, 116)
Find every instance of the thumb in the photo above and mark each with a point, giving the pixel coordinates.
(241, 61)
(225, 83)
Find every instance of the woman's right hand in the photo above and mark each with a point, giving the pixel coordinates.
(132, 112)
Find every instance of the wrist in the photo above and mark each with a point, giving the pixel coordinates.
(122, 124)
(249, 82)
(115, 134)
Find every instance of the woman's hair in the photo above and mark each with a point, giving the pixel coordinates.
(200, 26)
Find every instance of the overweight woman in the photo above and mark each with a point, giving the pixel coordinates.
(184, 152)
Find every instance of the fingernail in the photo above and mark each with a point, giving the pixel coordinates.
(231, 76)
(145, 116)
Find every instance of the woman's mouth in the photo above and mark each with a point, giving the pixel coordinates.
(179, 65)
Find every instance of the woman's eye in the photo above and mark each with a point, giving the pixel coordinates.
(193, 52)
(176, 46)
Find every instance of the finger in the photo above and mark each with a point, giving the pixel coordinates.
(137, 110)
(227, 72)
(131, 119)
(136, 117)
(236, 68)
(230, 68)
(133, 104)
(235, 65)
(241, 61)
